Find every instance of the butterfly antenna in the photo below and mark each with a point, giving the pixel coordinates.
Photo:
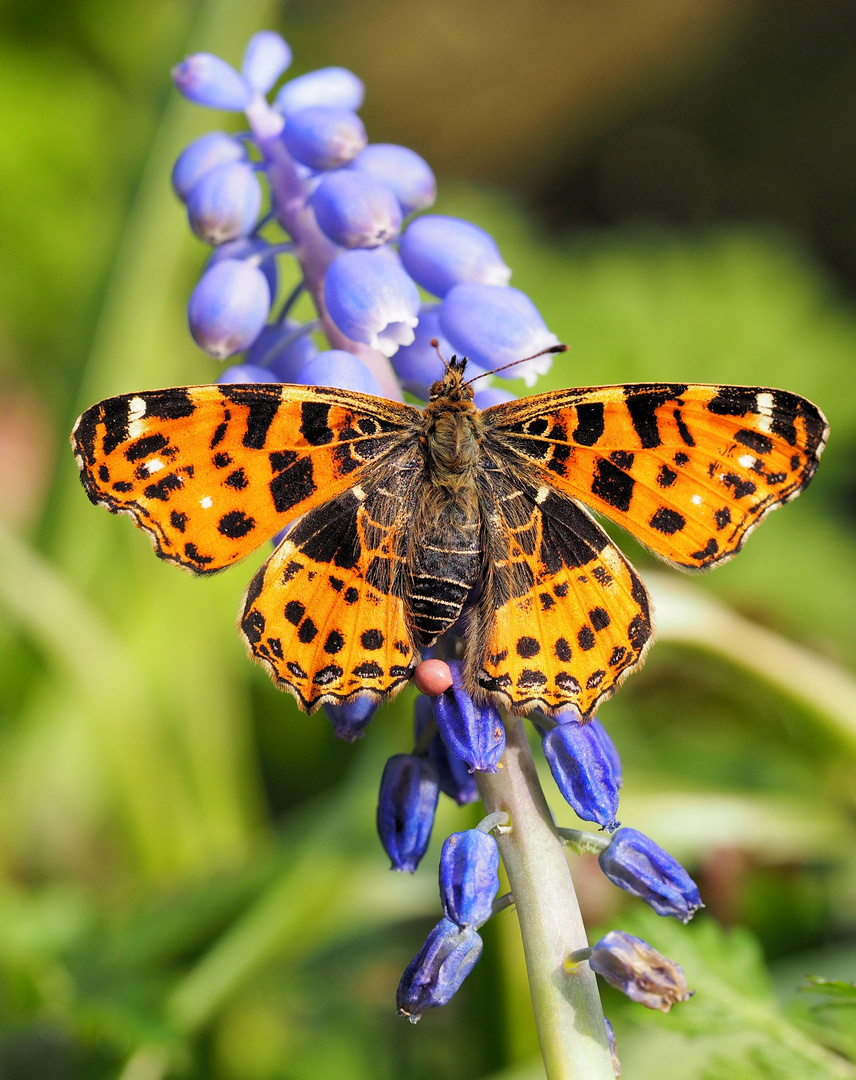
(443, 359)
(522, 360)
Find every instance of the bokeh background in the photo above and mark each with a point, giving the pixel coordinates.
(190, 885)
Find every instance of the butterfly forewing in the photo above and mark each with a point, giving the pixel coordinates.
(688, 469)
(211, 472)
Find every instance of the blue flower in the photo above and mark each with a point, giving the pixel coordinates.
(324, 136)
(266, 57)
(200, 156)
(639, 866)
(371, 299)
(280, 348)
(224, 202)
(405, 809)
(401, 169)
(469, 878)
(351, 719)
(454, 777)
(327, 86)
(228, 307)
(583, 772)
(246, 373)
(335, 367)
(491, 395)
(210, 81)
(253, 249)
(355, 210)
(474, 733)
(435, 974)
(639, 971)
(441, 252)
(496, 325)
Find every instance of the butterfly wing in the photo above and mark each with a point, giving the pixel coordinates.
(326, 614)
(563, 616)
(211, 472)
(688, 469)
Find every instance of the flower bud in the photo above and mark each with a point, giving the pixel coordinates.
(471, 732)
(608, 748)
(224, 203)
(335, 367)
(266, 57)
(613, 1049)
(335, 86)
(371, 299)
(583, 772)
(324, 136)
(276, 348)
(246, 373)
(636, 864)
(639, 971)
(405, 809)
(355, 210)
(440, 252)
(351, 719)
(469, 879)
(496, 325)
(435, 974)
(210, 81)
(252, 248)
(454, 777)
(200, 156)
(401, 169)
(228, 307)
(417, 365)
(491, 395)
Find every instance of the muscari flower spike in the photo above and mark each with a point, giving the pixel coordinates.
(469, 878)
(405, 810)
(283, 349)
(351, 719)
(639, 866)
(435, 974)
(583, 771)
(474, 733)
(254, 250)
(335, 367)
(639, 971)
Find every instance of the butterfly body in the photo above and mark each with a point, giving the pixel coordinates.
(407, 517)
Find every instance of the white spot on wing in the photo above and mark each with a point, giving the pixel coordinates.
(136, 408)
(543, 492)
(747, 461)
(764, 404)
(697, 500)
(153, 466)
(206, 503)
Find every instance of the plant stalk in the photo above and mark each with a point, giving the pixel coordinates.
(566, 1002)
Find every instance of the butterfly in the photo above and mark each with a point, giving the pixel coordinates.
(406, 518)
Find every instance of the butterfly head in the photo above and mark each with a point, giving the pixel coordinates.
(452, 386)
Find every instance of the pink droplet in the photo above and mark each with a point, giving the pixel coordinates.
(433, 677)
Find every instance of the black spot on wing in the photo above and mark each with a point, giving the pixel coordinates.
(758, 443)
(262, 406)
(563, 650)
(622, 459)
(734, 401)
(666, 476)
(294, 484)
(527, 647)
(590, 423)
(314, 426)
(178, 521)
(163, 487)
(151, 444)
(612, 485)
(168, 404)
(709, 550)
(371, 640)
(642, 404)
(235, 524)
(667, 521)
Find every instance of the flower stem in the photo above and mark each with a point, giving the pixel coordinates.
(566, 1002)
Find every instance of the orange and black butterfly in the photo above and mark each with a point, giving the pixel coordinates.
(403, 512)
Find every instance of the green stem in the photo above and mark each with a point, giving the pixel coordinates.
(566, 1003)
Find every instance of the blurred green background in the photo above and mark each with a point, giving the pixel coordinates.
(190, 885)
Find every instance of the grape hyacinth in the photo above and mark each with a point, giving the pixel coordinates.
(302, 205)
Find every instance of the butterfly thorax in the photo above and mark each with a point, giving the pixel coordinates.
(451, 430)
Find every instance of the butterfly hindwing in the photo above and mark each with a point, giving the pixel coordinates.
(563, 617)
(211, 472)
(688, 469)
(326, 614)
